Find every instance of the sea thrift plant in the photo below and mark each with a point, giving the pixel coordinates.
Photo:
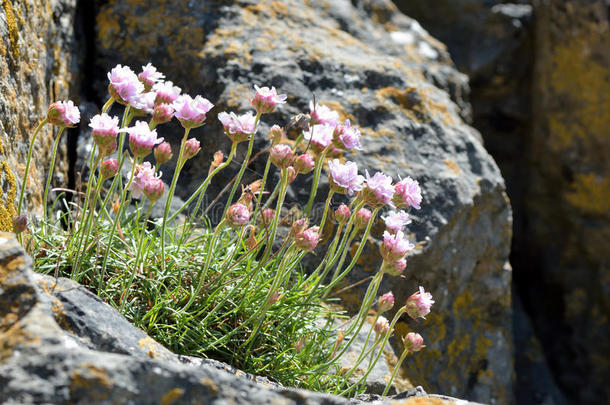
(223, 275)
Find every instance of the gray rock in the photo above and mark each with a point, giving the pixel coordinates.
(385, 73)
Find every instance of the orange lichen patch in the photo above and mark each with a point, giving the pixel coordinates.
(415, 104)
(274, 9)
(590, 193)
(453, 166)
(93, 380)
(213, 389)
(7, 205)
(59, 312)
(149, 346)
(172, 396)
(13, 30)
(14, 336)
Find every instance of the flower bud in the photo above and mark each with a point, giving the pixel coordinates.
(342, 213)
(163, 153)
(109, 168)
(108, 149)
(394, 246)
(153, 189)
(363, 216)
(266, 99)
(267, 216)
(237, 215)
(382, 326)
(291, 174)
(413, 342)
(308, 239)
(63, 114)
(162, 113)
(419, 304)
(20, 223)
(385, 303)
(299, 226)
(304, 163)
(276, 134)
(281, 155)
(191, 148)
(395, 268)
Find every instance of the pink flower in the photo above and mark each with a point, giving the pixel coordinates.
(267, 216)
(385, 303)
(105, 130)
(124, 84)
(162, 113)
(342, 213)
(163, 153)
(308, 239)
(419, 304)
(281, 155)
(323, 115)
(191, 111)
(143, 173)
(382, 326)
(413, 342)
(141, 139)
(276, 134)
(166, 92)
(238, 128)
(363, 216)
(266, 99)
(109, 168)
(191, 148)
(63, 114)
(396, 221)
(143, 103)
(344, 178)
(20, 223)
(320, 136)
(149, 76)
(407, 194)
(378, 190)
(395, 268)
(394, 246)
(347, 137)
(237, 215)
(304, 163)
(153, 189)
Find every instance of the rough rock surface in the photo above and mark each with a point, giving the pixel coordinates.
(383, 71)
(61, 344)
(35, 58)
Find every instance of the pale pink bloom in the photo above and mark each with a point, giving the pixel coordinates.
(347, 137)
(63, 114)
(395, 268)
(124, 84)
(166, 92)
(191, 111)
(238, 128)
(191, 148)
(150, 75)
(323, 115)
(407, 194)
(308, 239)
(163, 153)
(342, 213)
(281, 155)
(237, 215)
(153, 189)
(304, 163)
(162, 113)
(104, 130)
(413, 342)
(396, 221)
(266, 99)
(363, 216)
(143, 173)
(344, 178)
(394, 246)
(378, 190)
(382, 326)
(419, 304)
(143, 103)
(276, 134)
(20, 223)
(385, 303)
(109, 168)
(141, 138)
(320, 136)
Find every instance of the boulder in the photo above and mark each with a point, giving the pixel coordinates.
(381, 70)
(35, 69)
(61, 344)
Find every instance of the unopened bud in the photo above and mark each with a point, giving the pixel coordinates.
(20, 223)
(281, 155)
(385, 303)
(308, 239)
(304, 163)
(267, 216)
(163, 153)
(363, 217)
(191, 148)
(342, 213)
(413, 342)
(238, 215)
(153, 189)
(291, 174)
(109, 168)
(276, 134)
(382, 326)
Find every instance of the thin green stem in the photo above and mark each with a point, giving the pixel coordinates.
(49, 178)
(27, 165)
(396, 368)
(316, 179)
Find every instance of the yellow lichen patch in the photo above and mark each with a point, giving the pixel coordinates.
(273, 9)
(590, 193)
(59, 312)
(14, 336)
(415, 104)
(213, 389)
(93, 380)
(149, 346)
(172, 396)
(423, 401)
(13, 30)
(7, 205)
(453, 166)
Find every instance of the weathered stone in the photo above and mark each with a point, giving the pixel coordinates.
(383, 71)
(35, 65)
(61, 344)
